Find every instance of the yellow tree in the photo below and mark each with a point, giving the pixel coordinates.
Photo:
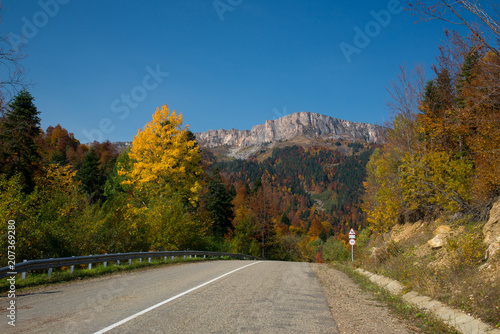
(480, 120)
(165, 157)
(435, 180)
(163, 172)
(382, 200)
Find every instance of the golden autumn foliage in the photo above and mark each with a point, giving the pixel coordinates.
(435, 178)
(479, 123)
(382, 200)
(165, 156)
(445, 155)
(162, 173)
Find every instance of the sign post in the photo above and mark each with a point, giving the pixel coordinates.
(352, 242)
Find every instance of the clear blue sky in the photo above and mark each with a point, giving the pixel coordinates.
(102, 67)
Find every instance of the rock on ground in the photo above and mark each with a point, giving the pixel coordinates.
(491, 230)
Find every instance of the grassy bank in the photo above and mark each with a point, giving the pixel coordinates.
(457, 274)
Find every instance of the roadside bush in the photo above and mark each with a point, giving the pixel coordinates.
(466, 251)
(334, 250)
(290, 244)
(311, 247)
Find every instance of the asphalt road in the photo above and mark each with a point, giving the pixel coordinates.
(205, 297)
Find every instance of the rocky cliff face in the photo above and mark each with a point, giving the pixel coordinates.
(291, 126)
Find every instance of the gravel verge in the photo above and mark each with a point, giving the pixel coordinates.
(355, 310)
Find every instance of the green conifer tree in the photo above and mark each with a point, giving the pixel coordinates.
(91, 177)
(19, 130)
(218, 204)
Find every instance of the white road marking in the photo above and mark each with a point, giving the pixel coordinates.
(116, 324)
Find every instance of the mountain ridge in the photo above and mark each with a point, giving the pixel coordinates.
(290, 126)
(243, 143)
(308, 124)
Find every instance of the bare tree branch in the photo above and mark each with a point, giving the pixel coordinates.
(12, 72)
(405, 93)
(487, 25)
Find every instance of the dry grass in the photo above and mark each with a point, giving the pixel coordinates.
(455, 274)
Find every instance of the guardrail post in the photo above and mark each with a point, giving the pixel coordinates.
(118, 261)
(105, 263)
(165, 259)
(129, 262)
(204, 256)
(72, 267)
(172, 257)
(149, 260)
(50, 270)
(90, 264)
(140, 260)
(23, 275)
(184, 257)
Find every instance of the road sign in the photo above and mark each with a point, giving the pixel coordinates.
(352, 242)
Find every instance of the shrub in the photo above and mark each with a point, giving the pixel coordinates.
(334, 250)
(467, 250)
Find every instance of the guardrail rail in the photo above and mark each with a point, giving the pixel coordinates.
(24, 267)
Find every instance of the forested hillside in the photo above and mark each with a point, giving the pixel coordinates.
(164, 194)
(307, 193)
(443, 145)
(311, 173)
(432, 190)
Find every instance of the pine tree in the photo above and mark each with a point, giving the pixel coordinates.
(471, 62)
(218, 204)
(91, 176)
(285, 219)
(322, 236)
(18, 134)
(330, 233)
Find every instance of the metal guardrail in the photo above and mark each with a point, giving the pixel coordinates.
(26, 266)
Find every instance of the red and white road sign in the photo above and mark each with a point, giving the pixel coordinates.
(351, 232)
(352, 242)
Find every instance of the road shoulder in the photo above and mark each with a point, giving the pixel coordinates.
(355, 310)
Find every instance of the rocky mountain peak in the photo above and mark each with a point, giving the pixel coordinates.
(287, 127)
